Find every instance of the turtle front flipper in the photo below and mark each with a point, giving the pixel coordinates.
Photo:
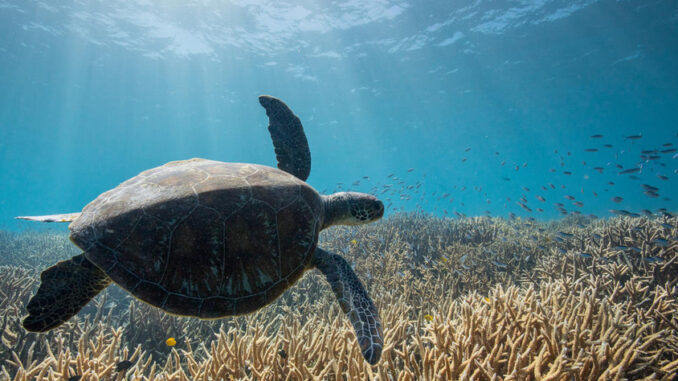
(354, 302)
(66, 287)
(289, 140)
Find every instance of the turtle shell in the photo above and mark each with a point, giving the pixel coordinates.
(203, 238)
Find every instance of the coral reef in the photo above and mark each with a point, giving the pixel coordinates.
(472, 298)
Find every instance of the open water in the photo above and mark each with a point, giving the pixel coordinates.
(554, 121)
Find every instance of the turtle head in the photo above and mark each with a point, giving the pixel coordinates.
(351, 208)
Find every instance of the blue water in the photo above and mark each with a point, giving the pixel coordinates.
(92, 93)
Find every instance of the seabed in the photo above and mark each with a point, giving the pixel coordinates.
(472, 298)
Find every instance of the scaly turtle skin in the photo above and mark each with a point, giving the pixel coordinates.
(209, 239)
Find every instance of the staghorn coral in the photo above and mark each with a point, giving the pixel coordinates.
(561, 331)
(510, 299)
(34, 250)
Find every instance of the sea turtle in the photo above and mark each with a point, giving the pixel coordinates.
(210, 239)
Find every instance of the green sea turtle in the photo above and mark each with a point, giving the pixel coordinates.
(210, 239)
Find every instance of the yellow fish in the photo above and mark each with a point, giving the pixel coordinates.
(354, 242)
(428, 317)
(171, 342)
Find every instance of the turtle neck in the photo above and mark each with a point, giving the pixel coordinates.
(336, 209)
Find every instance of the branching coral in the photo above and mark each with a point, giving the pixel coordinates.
(459, 299)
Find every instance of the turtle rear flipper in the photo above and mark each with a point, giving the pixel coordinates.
(67, 217)
(289, 139)
(66, 287)
(354, 301)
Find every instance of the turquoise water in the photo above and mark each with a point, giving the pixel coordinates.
(461, 92)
